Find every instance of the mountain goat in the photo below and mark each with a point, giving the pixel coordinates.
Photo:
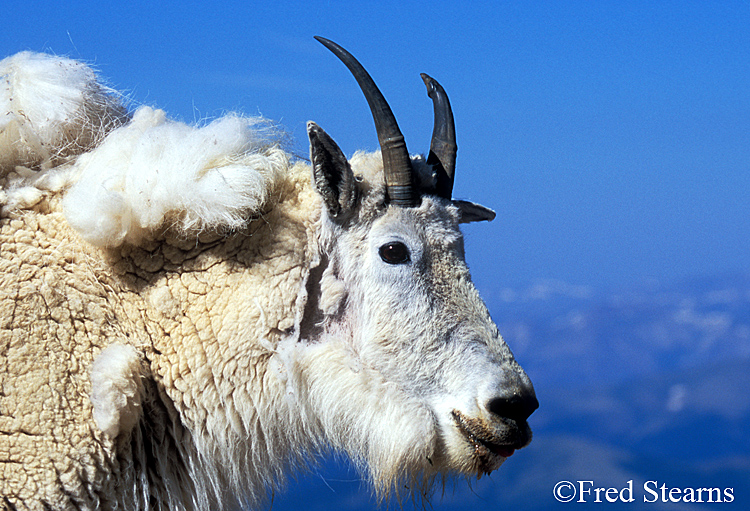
(187, 314)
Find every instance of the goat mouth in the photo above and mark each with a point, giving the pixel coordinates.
(490, 449)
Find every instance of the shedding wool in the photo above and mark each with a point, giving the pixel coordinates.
(155, 170)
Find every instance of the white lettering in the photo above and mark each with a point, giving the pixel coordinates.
(728, 494)
(672, 493)
(647, 486)
(626, 495)
(654, 491)
(689, 495)
(582, 491)
(711, 494)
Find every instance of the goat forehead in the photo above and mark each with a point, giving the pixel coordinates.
(434, 222)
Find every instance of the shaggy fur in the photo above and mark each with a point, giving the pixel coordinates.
(183, 321)
(51, 110)
(161, 171)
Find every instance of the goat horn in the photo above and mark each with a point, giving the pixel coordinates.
(396, 160)
(443, 146)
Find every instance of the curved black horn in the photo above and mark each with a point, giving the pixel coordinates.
(443, 146)
(396, 160)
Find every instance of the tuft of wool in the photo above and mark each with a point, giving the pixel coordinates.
(156, 173)
(51, 108)
(116, 389)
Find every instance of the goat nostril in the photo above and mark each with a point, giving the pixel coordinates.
(517, 407)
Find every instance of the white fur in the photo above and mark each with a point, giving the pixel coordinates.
(155, 170)
(41, 98)
(51, 109)
(116, 389)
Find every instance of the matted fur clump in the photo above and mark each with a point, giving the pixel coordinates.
(52, 108)
(136, 174)
(155, 171)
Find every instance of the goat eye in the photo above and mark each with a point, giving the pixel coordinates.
(394, 252)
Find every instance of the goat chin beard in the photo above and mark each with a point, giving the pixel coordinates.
(413, 474)
(475, 460)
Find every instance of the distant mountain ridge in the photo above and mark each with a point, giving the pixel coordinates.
(574, 335)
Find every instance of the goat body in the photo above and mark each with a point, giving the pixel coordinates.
(186, 314)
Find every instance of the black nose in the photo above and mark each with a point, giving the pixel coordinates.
(518, 406)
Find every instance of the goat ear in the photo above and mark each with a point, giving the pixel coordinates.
(333, 176)
(473, 212)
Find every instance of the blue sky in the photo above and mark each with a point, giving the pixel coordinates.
(612, 138)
